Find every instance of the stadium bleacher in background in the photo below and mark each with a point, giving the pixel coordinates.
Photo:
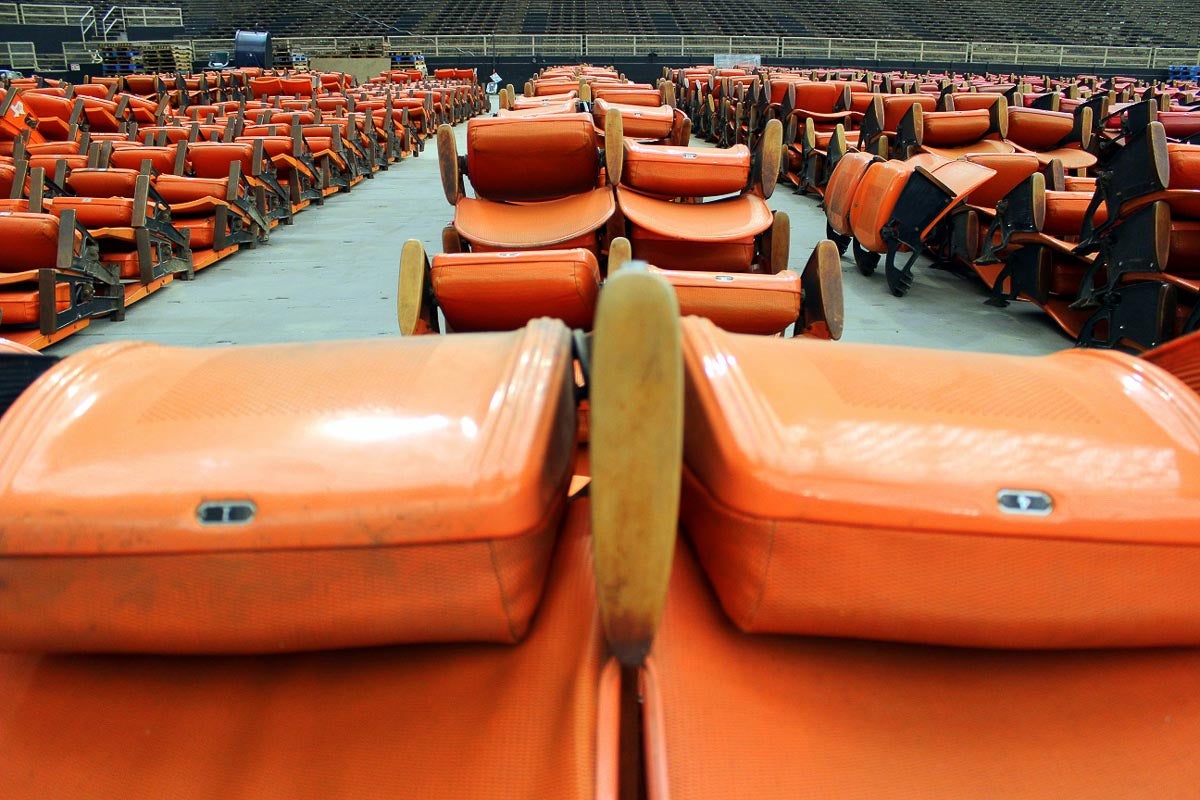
(1138, 23)
(1102, 34)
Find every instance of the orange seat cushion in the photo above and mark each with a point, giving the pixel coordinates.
(96, 212)
(50, 162)
(386, 495)
(727, 220)
(19, 306)
(203, 231)
(818, 96)
(981, 146)
(646, 97)
(715, 236)
(685, 171)
(1065, 212)
(533, 225)
(177, 189)
(854, 720)
(102, 182)
(639, 121)
(741, 303)
(953, 128)
(30, 240)
(1038, 129)
(895, 106)
(503, 291)
(212, 159)
(975, 101)
(1010, 170)
(162, 159)
(876, 492)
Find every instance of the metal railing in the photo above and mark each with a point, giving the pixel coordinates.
(79, 53)
(150, 17)
(18, 55)
(113, 20)
(37, 14)
(801, 49)
(321, 46)
(789, 49)
(9, 14)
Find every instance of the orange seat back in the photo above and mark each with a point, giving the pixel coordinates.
(31, 241)
(738, 302)
(312, 496)
(503, 291)
(686, 171)
(102, 182)
(532, 159)
(937, 497)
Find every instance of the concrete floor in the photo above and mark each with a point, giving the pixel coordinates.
(332, 275)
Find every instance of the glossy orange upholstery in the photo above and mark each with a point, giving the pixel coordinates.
(636, 96)
(685, 171)
(878, 193)
(568, 222)
(96, 212)
(722, 234)
(948, 128)
(895, 106)
(839, 192)
(389, 492)
(529, 161)
(537, 184)
(641, 121)
(503, 291)
(1009, 168)
(718, 235)
(818, 99)
(872, 492)
(1038, 129)
(1066, 211)
(19, 303)
(31, 240)
(741, 303)
(1045, 133)
(973, 101)
(212, 159)
(176, 189)
(102, 182)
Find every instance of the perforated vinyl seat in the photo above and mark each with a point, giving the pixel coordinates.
(876, 512)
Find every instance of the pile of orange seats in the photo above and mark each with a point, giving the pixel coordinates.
(1009, 178)
(127, 183)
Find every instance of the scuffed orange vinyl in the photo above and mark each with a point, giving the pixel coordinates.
(484, 721)
(847, 490)
(402, 490)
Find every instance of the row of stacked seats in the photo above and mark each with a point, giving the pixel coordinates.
(120, 185)
(631, 555)
(1010, 178)
(581, 174)
(660, 560)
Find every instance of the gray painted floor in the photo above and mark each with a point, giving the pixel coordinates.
(332, 275)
